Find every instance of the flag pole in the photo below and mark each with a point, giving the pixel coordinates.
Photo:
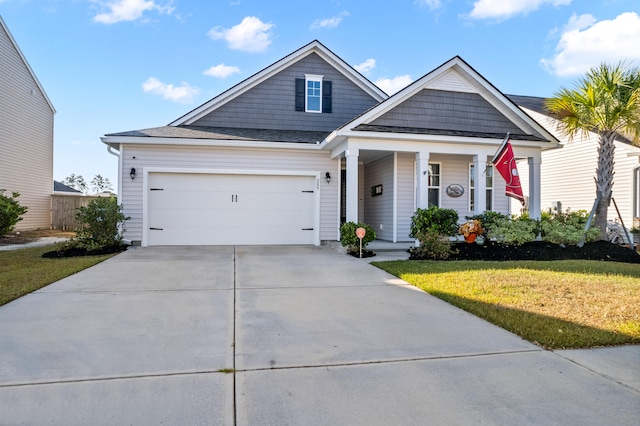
(502, 145)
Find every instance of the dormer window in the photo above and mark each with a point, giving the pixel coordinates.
(313, 99)
(313, 94)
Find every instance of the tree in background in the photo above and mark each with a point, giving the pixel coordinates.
(100, 184)
(76, 182)
(605, 101)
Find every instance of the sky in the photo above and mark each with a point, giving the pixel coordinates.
(116, 65)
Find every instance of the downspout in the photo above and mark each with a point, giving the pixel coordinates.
(111, 151)
(117, 154)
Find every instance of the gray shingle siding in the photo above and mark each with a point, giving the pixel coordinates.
(444, 110)
(271, 104)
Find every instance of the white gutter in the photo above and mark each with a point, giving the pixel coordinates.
(121, 140)
(111, 151)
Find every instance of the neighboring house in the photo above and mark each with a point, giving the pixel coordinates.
(307, 143)
(26, 135)
(60, 188)
(568, 174)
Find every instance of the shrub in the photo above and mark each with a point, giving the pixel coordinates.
(567, 228)
(10, 212)
(488, 220)
(434, 220)
(100, 226)
(433, 246)
(349, 238)
(514, 232)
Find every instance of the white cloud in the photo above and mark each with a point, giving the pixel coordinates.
(395, 84)
(251, 35)
(500, 9)
(221, 71)
(183, 94)
(329, 22)
(585, 43)
(432, 4)
(129, 10)
(366, 66)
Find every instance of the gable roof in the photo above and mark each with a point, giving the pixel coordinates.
(61, 187)
(538, 104)
(242, 87)
(26, 63)
(455, 77)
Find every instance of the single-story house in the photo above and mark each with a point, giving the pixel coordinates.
(568, 174)
(62, 189)
(26, 135)
(287, 155)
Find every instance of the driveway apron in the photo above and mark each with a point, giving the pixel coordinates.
(279, 336)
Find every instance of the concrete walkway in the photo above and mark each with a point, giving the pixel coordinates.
(283, 336)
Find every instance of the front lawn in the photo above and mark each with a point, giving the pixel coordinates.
(25, 270)
(555, 304)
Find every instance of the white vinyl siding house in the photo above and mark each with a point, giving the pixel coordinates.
(26, 135)
(285, 128)
(568, 173)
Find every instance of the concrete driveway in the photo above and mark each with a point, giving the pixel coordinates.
(154, 335)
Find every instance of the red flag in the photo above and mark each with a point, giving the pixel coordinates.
(505, 163)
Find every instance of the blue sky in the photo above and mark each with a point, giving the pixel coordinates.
(117, 65)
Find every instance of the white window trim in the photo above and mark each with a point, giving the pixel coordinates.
(439, 187)
(307, 79)
(488, 188)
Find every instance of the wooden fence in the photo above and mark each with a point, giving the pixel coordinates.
(63, 210)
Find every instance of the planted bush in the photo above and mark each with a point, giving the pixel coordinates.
(434, 220)
(433, 246)
(100, 226)
(349, 239)
(514, 231)
(488, 220)
(567, 228)
(10, 212)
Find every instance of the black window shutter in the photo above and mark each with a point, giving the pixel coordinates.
(326, 96)
(300, 94)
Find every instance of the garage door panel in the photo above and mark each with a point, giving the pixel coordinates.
(188, 200)
(208, 209)
(229, 236)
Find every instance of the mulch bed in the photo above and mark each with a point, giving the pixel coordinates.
(365, 253)
(80, 252)
(540, 250)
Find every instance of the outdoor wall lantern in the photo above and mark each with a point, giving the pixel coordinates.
(132, 173)
(327, 177)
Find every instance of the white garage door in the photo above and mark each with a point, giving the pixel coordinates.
(220, 209)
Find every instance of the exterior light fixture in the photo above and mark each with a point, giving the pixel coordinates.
(132, 173)
(327, 177)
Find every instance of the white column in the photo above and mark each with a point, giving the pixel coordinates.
(534, 187)
(480, 184)
(352, 184)
(422, 180)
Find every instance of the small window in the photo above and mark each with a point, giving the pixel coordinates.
(489, 194)
(313, 94)
(434, 184)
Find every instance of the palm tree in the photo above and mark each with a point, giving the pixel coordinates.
(605, 101)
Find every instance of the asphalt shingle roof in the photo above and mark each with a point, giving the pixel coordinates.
(440, 132)
(227, 133)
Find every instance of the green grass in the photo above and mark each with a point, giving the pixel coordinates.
(558, 304)
(25, 270)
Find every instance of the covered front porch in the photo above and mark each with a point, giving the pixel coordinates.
(384, 188)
